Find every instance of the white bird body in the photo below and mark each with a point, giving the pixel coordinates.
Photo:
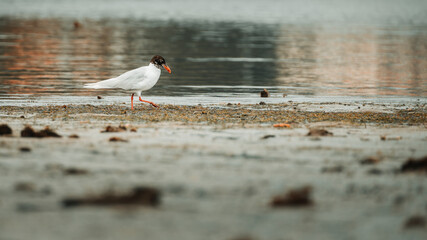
(136, 80)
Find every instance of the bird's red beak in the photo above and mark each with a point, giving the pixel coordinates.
(167, 68)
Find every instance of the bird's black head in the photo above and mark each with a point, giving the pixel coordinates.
(159, 61)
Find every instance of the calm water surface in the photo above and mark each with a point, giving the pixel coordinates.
(44, 54)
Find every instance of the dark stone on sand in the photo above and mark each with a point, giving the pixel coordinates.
(334, 169)
(298, 197)
(47, 132)
(262, 103)
(114, 129)
(75, 171)
(319, 132)
(117, 139)
(25, 149)
(99, 97)
(28, 132)
(264, 93)
(415, 222)
(370, 160)
(139, 196)
(74, 136)
(5, 130)
(268, 136)
(415, 165)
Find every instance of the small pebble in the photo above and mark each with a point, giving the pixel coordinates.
(25, 187)
(297, 197)
(25, 149)
(416, 221)
(117, 139)
(319, 132)
(370, 160)
(264, 93)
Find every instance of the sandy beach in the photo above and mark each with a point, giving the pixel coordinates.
(219, 171)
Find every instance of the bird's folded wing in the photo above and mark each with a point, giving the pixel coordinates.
(127, 80)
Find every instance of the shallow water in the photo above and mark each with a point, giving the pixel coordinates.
(217, 52)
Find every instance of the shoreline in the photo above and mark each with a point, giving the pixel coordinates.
(295, 113)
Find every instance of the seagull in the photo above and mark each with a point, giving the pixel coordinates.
(136, 80)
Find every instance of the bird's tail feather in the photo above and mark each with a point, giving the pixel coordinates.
(109, 83)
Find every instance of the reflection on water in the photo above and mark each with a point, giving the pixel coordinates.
(51, 56)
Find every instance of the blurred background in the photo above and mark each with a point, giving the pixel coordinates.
(216, 48)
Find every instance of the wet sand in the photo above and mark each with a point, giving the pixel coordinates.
(216, 170)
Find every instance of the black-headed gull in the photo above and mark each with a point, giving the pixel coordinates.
(137, 80)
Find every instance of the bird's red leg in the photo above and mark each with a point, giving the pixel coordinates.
(131, 101)
(154, 105)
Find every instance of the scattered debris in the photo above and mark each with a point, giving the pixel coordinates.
(25, 149)
(394, 138)
(298, 197)
(75, 171)
(264, 93)
(415, 165)
(133, 129)
(262, 103)
(77, 25)
(117, 139)
(47, 132)
(74, 136)
(334, 169)
(416, 221)
(319, 132)
(268, 136)
(229, 104)
(370, 160)
(5, 130)
(144, 196)
(25, 187)
(282, 125)
(28, 132)
(120, 128)
(285, 95)
(99, 97)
